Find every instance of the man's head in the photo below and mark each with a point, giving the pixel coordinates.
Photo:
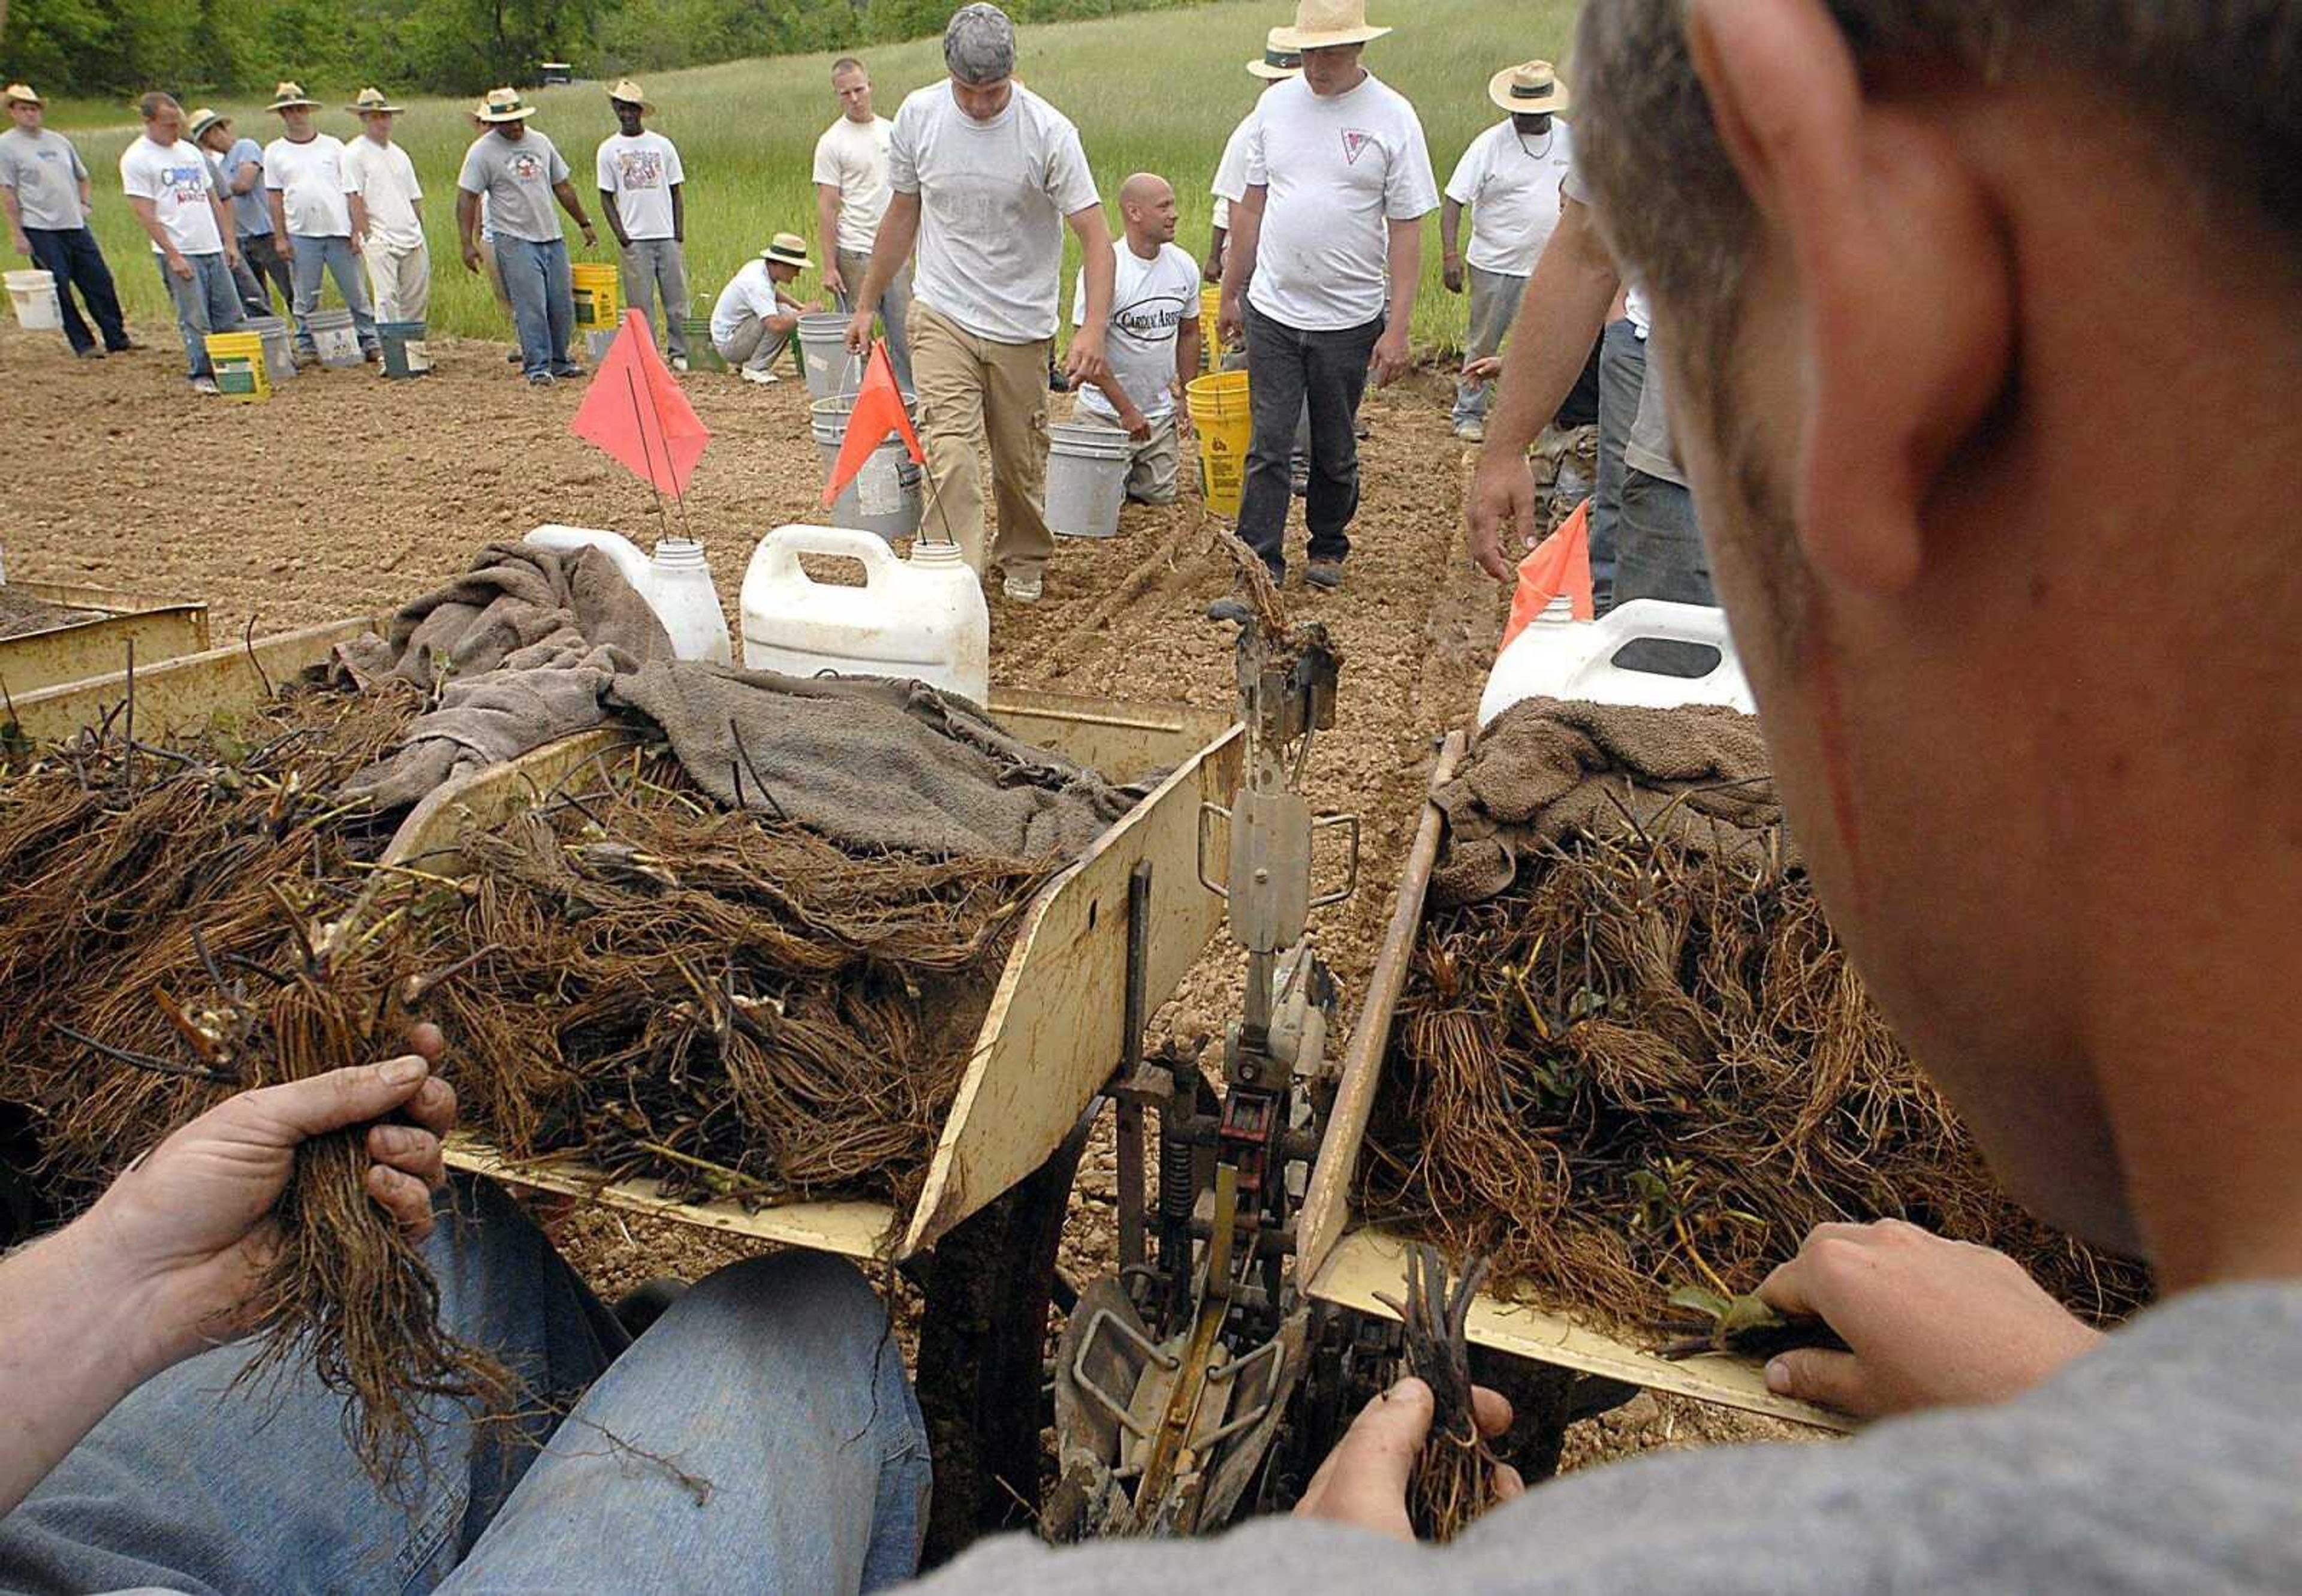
(853, 85)
(2015, 674)
(503, 110)
(631, 107)
(164, 118)
(1530, 124)
(294, 108)
(787, 256)
(1146, 206)
(212, 132)
(377, 125)
(1334, 70)
(24, 107)
(979, 48)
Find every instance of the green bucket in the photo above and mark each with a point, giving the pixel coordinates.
(703, 354)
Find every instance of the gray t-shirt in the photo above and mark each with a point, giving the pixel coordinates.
(516, 175)
(45, 172)
(1648, 446)
(2169, 1460)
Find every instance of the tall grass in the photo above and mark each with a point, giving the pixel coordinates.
(1159, 91)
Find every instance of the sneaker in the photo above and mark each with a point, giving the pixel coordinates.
(206, 386)
(542, 379)
(568, 372)
(1325, 573)
(1026, 589)
(372, 356)
(513, 358)
(1361, 431)
(1471, 432)
(91, 353)
(679, 363)
(752, 374)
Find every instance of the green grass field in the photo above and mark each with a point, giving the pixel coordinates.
(1158, 90)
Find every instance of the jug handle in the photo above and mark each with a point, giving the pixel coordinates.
(1667, 622)
(868, 548)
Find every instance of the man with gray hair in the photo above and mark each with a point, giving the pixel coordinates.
(984, 174)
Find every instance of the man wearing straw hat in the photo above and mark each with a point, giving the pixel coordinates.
(235, 161)
(1326, 251)
(986, 174)
(47, 195)
(520, 174)
(754, 318)
(642, 195)
(387, 206)
(852, 194)
(1280, 62)
(172, 191)
(1510, 178)
(304, 180)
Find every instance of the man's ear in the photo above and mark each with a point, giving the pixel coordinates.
(1905, 300)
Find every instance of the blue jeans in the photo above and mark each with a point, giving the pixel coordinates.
(1286, 370)
(207, 301)
(71, 257)
(1622, 379)
(1659, 552)
(542, 301)
(776, 1382)
(334, 256)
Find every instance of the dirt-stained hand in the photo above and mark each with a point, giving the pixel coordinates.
(1363, 1480)
(1499, 505)
(1392, 357)
(1930, 1322)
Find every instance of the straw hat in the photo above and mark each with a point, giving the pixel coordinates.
(1279, 59)
(1325, 24)
(630, 94)
(787, 249)
(504, 105)
(1532, 89)
(288, 96)
(371, 99)
(205, 118)
(20, 94)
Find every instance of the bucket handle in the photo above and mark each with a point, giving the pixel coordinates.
(780, 553)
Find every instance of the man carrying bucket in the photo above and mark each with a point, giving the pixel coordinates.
(753, 321)
(984, 174)
(46, 193)
(643, 196)
(520, 174)
(174, 194)
(851, 197)
(1154, 338)
(1326, 251)
(387, 205)
(1510, 178)
(304, 180)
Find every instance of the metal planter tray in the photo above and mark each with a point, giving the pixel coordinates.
(83, 645)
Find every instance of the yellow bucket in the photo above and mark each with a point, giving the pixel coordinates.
(599, 297)
(1225, 423)
(1210, 324)
(237, 359)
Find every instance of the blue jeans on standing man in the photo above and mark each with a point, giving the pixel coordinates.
(760, 1436)
(543, 293)
(207, 301)
(69, 256)
(1286, 370)
(1622, 379)
(334, 256)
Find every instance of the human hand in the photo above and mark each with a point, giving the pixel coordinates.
(1502, 500)
(1211, 269)
(185, 1234)
(1930, 1323)
(833, 282)
(1451, 273)
(590, 238)
(471, 258)
(858, 332)
(286, 246)
(22, 245)
(1483, 370)
(1230, 322)
(178, 265)
(1391, 356)
(1363, 1480)
(357, 244)
(1183, 428)
(1083, 363)
(1138, 424)
(231, 258)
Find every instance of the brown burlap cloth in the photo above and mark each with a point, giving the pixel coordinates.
(1546, 770)
(531, 645)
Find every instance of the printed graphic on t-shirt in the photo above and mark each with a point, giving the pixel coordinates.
(1152, 317)
(1354, 143)
(526, 165)
(186, 184)
(640, 168)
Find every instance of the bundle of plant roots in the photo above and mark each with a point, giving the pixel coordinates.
(1644, 1067)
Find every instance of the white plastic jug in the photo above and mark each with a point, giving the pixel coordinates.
(676, 584)
(923, 619)
(1561, 657)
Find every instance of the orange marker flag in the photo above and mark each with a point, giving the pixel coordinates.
(635, 412)
(878, 414)
(1560, 563)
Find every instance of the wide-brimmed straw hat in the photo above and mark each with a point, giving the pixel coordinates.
(1278, 60)
(205, 118)
(504, 105)
(632, 94)
(1325, 24)
(1531, 88)
(787, 249)
(288, 96)
(20, 94)
(371, 99)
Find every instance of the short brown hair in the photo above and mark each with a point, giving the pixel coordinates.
(848, 64)
(152, 102)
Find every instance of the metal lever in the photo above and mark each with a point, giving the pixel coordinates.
(1350, 876)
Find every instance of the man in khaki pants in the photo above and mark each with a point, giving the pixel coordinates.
(985, 174)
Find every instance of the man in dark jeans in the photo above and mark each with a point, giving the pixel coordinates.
(43, 189)
(1324, 255)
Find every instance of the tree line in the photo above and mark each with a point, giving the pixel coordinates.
(86, 47)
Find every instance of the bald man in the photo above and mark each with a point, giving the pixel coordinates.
(1154, 344)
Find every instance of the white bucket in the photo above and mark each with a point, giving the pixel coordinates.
(333, 334)
(1086, 479)
(831, 370)
(33, 294)
(1650, 654)
(885, 496)
(921, 620)
(279, 346)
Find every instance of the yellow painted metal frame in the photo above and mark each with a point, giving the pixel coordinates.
(185, 692)
(73, 650)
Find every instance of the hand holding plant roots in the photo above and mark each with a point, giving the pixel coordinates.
(1454, 1480)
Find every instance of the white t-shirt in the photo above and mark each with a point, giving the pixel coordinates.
(851, 156)
(640, 172)
(309, 179)
(176, 179)
(1149, 304)
(993, 196)
(1230, 172)
(749, 289)
(384, 178)
(1511, 184)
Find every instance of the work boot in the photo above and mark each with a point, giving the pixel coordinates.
(1231, 607)
(1325, 573)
